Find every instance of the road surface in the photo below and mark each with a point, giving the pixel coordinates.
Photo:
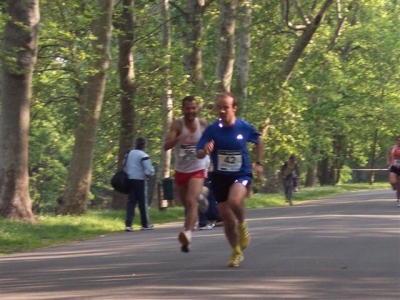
(344, 247)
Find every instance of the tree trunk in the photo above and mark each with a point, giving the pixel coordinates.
(353, 22)
(243, 61)
(373, 157)
(324, 174)
(19, 58)
(127, 82)
(193, 63)
(311, 177)
(226, 45)
(74, 198)
(163, 170)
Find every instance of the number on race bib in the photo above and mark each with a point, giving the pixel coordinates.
(187, 152)
(229, 160)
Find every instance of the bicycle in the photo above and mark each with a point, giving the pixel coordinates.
(289, 189)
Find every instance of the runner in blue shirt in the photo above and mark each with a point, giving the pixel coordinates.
(225, 141)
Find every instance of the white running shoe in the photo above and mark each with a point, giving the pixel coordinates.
(207, 227)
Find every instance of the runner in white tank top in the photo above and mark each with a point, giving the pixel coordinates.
(185, 150)
(190, 173)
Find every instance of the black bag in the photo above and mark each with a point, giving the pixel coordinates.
(120, 180)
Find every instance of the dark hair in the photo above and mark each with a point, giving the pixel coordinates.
(292, 156)
(141, 142)
(188, 99)
(229, 94)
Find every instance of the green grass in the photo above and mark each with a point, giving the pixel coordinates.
(51, 230)
(265, 200)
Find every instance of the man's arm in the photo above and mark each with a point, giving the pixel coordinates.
(173, 135)
(259, 149)
(257, 166)
(389, 157)
(148, 166)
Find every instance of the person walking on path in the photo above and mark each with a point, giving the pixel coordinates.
(139, 169)
(225, 141)
(190, 172)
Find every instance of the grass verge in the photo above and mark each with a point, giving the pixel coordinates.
(51, 230)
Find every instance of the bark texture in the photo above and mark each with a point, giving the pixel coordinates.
(127, 81)
(243, 61)
(75, 195)
(19, 58)
(193, 62)
(226, 45)
(164, 168)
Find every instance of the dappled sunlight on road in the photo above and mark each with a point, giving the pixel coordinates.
(322, 249)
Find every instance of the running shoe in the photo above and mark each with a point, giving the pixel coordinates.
(128, 229)
(398, 203)
(236, 258)
(184, 240)
(207, 227)
(148, 227)
(244, 235)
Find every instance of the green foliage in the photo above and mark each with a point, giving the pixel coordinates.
(331, 100)
(345, 175)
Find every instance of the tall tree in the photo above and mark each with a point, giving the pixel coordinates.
(167, 101)
(75, 195)
(193, 35)
(193, 61)
(19, 58)
(226, 45)
(125, 23)
(243, 61)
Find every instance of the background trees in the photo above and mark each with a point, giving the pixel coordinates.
(334, 103)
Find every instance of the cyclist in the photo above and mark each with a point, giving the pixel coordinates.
(393, 163)
(290, 168)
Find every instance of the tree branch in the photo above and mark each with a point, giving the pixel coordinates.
(301, 14)
(287, 21)
(183, 13)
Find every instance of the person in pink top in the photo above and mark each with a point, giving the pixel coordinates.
(393, 163)
(190, 172)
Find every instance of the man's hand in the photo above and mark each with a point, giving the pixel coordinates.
(209, 147)
(259, 169)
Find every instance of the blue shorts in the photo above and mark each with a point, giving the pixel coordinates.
(221, 184)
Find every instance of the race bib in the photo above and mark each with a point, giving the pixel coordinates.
(187, 152)
(229, 160)
(397, 162)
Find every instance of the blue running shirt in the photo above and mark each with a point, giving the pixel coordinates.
(230, 155)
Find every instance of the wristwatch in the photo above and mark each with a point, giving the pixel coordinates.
(258, 163)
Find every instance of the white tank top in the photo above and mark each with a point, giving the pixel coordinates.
(185, 151)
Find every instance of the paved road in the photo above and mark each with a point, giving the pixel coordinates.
(344, 247)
